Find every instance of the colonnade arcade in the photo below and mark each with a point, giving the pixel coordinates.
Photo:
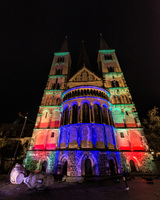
(85, 111)
(86, 104)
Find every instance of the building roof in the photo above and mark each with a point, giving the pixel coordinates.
(103, 45)
(64, 47)
(83, 58)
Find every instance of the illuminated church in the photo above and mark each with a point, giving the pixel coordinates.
(87, 123)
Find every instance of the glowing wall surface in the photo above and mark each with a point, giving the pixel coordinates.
(88, 124)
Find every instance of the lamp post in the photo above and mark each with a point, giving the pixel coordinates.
(25, 120)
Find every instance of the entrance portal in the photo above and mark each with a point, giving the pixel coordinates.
(64, 170)
(88, 167)
(132, 165)
(44, 166)
(112, 167)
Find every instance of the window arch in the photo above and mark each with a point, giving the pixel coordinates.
(97, 113)
(116, 83)
(66, 116)
(114, 99)
(44, 123)
(85, 113)
(118, 100)
(132, 166)
(74, 113)
(105, 115)
(129, 118)
(122, 99)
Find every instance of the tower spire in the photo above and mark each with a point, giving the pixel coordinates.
(83, 57)
(64, 47)
(103, 44)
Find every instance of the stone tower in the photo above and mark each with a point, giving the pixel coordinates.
(87, 124)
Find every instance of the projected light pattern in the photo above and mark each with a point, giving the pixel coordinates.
(87, 124)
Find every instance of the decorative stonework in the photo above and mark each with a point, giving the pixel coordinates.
(87, 124)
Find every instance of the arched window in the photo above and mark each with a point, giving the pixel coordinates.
(112, 167)
(105, 115)
(116, 84)
(44, 123)
(76, 93)
(44, 166)
(112, 83)
(110, 118)
(88, 167)
(66, 116)
(122, 99)
(118, 100)
(64, 168)
(132, 165)
(114, 100)
(129, 118)
(128, 100)
(58, 101)
(85, 113)
(82, 92)
(74, 113)
(97, 113)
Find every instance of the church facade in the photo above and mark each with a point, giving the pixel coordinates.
(87, 124)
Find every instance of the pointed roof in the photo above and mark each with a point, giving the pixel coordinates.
(64, 47)
(103, 44)
(83, 58)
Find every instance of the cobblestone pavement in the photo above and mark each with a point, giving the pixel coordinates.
(106, 190)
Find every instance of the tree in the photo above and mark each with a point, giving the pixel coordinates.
(151, 127)
(8, 147)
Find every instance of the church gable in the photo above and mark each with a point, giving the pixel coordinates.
(84, 75)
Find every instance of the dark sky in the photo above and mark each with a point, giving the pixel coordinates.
(31, 31)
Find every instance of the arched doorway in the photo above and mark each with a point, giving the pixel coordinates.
(64, 169)
(88, 167)
(132, 165)
(112, 167)
(44, 166)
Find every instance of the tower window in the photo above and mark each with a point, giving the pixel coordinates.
(108, 57)
(122, 134)
(52, 134)
(60, 59)
(126, 112)
(46, 114)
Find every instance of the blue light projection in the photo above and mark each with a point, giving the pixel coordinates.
(80, 87)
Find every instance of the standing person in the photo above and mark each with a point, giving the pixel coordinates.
(124, 175)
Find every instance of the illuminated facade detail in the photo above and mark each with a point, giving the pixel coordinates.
(87, 124)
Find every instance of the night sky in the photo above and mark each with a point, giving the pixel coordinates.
(31, 31)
